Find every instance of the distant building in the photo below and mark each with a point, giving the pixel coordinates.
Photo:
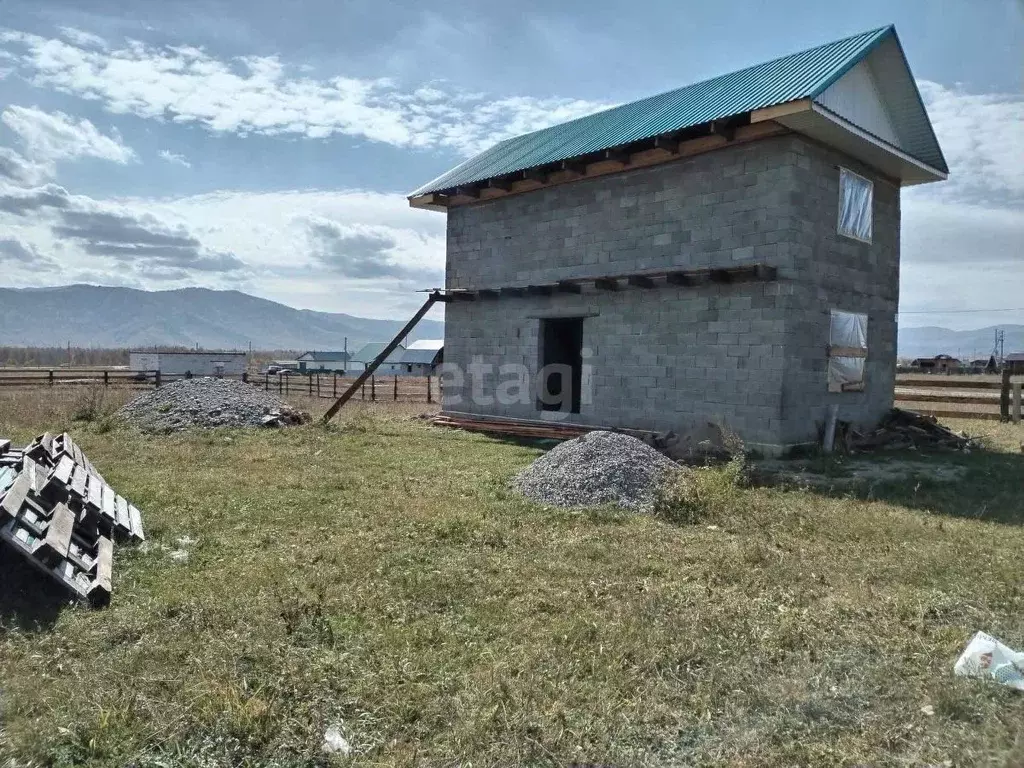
(421, 358)
(325, 361)
(189, 363)
(1014, 362)
(369, 352)
(937, 364)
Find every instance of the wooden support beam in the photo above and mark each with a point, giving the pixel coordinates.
(618, 155)
(391, 347)
(575, 168)
(666, 143)
(470, 190)
(722, 275)
(640, 281)
(535, 174)
(691, 278)
(607, 284)
(836, 351)
(432, 201)
(463, 295)
(540, 290)
(567, 286)
(501, 184)
(724, 129)
(780, 110)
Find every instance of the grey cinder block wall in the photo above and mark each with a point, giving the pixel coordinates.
(751, 357)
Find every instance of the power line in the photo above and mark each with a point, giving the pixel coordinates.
(960, 311)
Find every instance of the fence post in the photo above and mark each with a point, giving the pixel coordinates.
(51, 378)
(156, 379)
(280, 383)
(318, 385)
(106, 378)
(1016, 402)
(266, 381)
(429, 393)
(245, 377)
(335, 392)
(362, 392)
(396, 387)
(373, 387)
(1004, 396)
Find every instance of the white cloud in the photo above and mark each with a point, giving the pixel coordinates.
(174, 159)
(962, 238)
(51, 137)
(260, 243)
(261, 94)
(982, 137)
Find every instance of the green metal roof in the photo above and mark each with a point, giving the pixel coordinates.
(798, 76)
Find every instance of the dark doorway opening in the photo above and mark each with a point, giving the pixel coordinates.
(561, 360)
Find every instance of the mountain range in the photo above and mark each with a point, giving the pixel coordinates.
(929, 341)
(95, 316)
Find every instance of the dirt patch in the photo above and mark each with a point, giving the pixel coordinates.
(855, 473)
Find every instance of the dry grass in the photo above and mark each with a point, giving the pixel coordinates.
(380, 574)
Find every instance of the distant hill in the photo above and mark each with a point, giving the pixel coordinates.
(94, 316)
(929, 341)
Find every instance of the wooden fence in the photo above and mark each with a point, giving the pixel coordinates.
(409, 389)
(423, 389)
(961, 397)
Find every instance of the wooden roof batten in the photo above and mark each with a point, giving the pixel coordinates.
(645, 280)
(663, 148)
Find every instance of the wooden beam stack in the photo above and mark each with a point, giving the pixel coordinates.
(58, 512)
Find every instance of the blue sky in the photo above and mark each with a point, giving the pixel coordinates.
(267, 146)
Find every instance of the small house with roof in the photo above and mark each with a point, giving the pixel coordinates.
(422, 357)
(336, 362)
(726, 252)
(392, 364)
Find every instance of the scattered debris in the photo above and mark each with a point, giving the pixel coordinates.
(209, 402)
(596, 468)
(903, 430)
(58, 512)
(986, 657)
(335, 742)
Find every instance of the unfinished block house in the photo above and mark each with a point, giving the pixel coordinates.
(727, 252)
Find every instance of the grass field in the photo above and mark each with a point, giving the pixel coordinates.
(379, 575)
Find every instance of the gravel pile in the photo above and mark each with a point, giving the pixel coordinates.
(597, 468)
(206, 403)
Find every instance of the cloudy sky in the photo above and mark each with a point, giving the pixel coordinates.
(268, 146)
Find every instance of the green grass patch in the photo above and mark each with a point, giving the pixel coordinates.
(381, 575)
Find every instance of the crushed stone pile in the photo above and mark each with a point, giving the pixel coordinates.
(903, 430)
(596, 468)
(206, 403)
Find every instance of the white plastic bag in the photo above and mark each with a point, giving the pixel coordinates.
(985, 656)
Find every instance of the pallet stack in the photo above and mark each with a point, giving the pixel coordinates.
(57, 511)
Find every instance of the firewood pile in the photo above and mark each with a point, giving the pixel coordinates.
(905, 430)
(58, 512)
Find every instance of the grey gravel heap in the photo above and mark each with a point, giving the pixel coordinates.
(207, 403)
(597, 468)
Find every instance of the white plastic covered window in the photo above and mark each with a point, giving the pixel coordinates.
(847, 351)
(855, 203)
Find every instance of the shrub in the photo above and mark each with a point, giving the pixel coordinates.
(702, 494)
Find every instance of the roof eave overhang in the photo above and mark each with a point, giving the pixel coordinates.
(820, 123)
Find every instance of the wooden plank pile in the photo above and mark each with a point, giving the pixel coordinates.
(58, 512)
(906, 430)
